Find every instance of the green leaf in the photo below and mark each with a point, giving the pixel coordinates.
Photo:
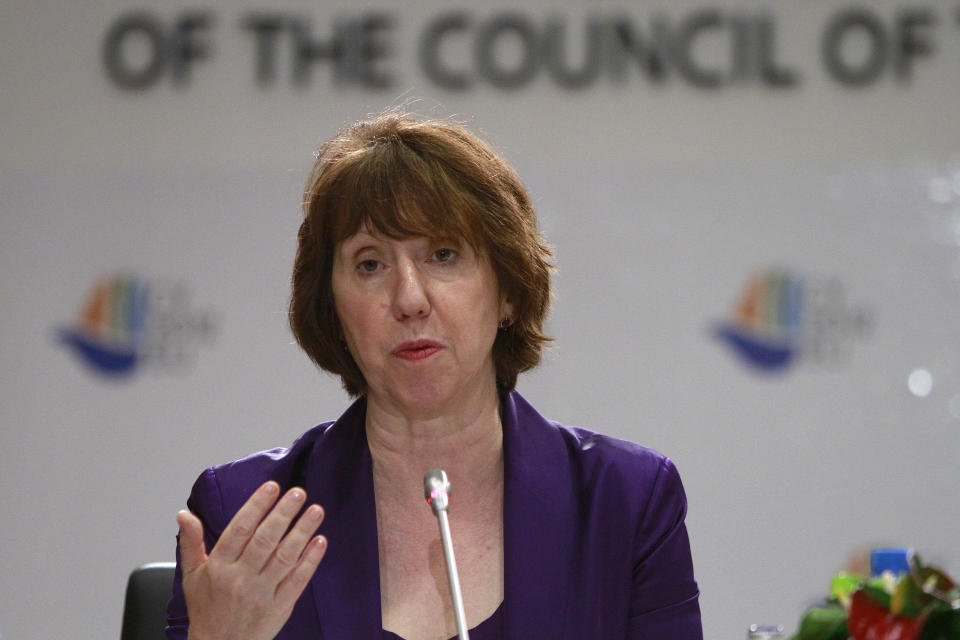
(877, 593)
(908, 600)
(823, 623)
(842, 587)
(942, 625)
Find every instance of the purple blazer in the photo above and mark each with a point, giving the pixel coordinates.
(594, 541)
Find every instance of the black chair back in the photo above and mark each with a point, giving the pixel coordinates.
(145, 606)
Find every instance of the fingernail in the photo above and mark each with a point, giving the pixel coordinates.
(296, 494)
(272, 488)
(314, 512)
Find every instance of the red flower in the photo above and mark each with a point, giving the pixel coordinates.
(871, 621)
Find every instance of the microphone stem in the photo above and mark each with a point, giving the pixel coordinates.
(454, 580)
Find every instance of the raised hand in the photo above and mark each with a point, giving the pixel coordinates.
(247, 586)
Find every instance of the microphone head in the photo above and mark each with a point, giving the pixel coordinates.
(436, 489)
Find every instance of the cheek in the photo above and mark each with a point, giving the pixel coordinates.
(481, 312)
(349, 314)
(355, 317)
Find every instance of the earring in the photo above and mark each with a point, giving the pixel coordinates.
(505, 323)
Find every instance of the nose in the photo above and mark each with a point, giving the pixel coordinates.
(410, 299)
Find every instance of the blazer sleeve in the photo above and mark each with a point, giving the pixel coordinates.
(664, 598)
(206, 503)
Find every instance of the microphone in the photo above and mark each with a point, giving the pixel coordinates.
(436, 489)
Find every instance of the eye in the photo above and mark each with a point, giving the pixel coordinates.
(444, 254)
(368, 266)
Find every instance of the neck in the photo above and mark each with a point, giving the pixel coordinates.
(466, 443)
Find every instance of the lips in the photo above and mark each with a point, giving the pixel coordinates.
(416, 349)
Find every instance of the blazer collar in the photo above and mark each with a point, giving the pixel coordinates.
(346, 586)
(539, 525)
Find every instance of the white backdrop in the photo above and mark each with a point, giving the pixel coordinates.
(662, 201)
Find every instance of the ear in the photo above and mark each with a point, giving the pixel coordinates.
(506, 310)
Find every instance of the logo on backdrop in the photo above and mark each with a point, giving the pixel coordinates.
(126, 323)
(781, 316)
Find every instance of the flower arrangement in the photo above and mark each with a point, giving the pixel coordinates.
(920, 604)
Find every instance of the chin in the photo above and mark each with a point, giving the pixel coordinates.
(436, 392)
(426, 397)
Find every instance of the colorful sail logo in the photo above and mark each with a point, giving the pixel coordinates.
(110, 328)
(767, 321)
(124, 323)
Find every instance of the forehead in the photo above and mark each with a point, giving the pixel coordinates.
(403, 221)
(366, 237)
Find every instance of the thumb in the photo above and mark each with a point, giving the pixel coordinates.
(192, 551)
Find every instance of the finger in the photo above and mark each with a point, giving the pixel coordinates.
(265, 539)
(293, 585)
(290, 550)
(243, 525)
(192, 552)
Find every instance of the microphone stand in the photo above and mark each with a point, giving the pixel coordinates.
(436, 489)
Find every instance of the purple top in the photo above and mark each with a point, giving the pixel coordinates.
(489, 629)
(595, 544)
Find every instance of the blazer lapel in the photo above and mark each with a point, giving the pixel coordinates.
(539, 523)
(346, 586)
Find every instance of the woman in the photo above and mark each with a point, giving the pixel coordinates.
(422, 281)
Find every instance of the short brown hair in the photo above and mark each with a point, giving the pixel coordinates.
(405, 176)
